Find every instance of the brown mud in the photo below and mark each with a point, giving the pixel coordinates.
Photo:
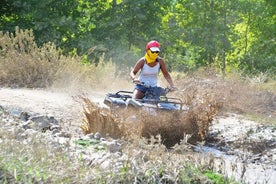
(215, 124)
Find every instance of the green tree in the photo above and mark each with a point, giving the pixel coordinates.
(200, 30)
(228, 34)
(254, 45)
(64, 23)
(125, 27)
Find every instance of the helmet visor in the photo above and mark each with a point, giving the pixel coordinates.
(155, 49)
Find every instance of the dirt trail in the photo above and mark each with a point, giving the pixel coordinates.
(59, 104)
(40, 101)
(226, 131)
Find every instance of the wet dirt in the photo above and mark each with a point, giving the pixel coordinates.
(237, 147)
(243, 149)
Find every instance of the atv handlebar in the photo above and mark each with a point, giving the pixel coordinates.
(170, 89)
(167, 89)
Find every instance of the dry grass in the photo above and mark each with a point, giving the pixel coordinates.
(24, 64)
(232, 94)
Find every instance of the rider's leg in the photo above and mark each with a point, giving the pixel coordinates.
(137, 94)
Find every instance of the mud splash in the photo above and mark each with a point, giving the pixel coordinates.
(205, 97)
(230, 145)
(235, 147)
(172, 126)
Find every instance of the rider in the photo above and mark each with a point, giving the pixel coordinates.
(149, 65)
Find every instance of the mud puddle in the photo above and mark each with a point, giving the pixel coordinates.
(240, 149)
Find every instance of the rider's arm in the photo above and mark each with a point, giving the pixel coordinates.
(139, 64)
(166, 73)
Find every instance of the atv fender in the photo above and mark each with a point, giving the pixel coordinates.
(133, 103)
(110, 101)
(168, 106)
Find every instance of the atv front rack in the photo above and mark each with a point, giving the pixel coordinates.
(123, 99)
(117, 99)
(165, 103)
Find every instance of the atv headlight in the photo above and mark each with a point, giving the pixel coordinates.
(162, 98)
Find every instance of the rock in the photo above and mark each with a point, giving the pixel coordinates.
(28, 133)
(15, 112)
(97, 136)
(274, 157)
(55, 127)
(24, 116)
(91, 136)
(64, 134)
(63, 140)
(53, 120)
(114, 146)
(27, 124)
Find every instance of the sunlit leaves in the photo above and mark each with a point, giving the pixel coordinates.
(240, 33)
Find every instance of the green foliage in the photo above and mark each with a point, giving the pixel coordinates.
(231, 35)
(255, 46)
(216, 178)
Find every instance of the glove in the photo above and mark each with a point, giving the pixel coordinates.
(172, 88)
(136, 81)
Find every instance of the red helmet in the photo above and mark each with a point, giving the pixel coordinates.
(153, 46)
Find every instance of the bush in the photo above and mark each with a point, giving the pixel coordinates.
(23, 63)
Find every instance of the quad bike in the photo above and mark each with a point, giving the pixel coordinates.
(155, 98)
(171, 123)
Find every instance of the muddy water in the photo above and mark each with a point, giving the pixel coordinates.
(241, 149)
(232, 166)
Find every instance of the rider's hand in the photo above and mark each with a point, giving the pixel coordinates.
(172, 88)
(136, 81)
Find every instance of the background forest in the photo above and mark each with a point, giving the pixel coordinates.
(236, 35)
(89, 46)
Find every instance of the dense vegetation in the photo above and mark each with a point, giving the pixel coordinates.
(229, 35)
(81, 43)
